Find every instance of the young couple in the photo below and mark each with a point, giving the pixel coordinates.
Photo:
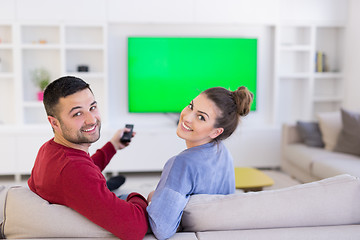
(64, 172)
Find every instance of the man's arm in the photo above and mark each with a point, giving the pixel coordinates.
(103, 155)
(85, 191)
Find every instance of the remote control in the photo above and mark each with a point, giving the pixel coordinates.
(127, 135)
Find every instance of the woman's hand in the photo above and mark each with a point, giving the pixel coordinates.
(150, 196)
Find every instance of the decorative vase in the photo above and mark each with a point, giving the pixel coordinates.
(40, 95)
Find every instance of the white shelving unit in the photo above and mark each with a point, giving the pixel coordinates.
(7, 75)
(300, 91)
(58, 48)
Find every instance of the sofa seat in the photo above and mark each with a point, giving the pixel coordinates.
(327, 209)
(321, 163)
(332, 166)
(296, 233)
(308, 164)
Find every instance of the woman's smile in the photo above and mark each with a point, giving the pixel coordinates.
(186, 127)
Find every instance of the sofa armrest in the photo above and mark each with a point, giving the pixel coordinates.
(290, 134)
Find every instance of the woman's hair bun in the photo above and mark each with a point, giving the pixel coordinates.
(243, 99)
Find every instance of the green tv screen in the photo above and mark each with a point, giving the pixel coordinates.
(166, 73)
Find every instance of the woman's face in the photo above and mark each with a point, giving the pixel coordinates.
(197, 120)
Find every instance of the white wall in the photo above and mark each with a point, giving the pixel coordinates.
(255, 143)
(352, 58)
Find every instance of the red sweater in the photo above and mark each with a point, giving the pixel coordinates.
(72, 178)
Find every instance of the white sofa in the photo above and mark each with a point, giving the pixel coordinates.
(308, 164)
(326, 209)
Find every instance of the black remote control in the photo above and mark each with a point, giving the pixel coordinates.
(127, 135)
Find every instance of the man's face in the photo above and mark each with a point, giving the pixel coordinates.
(78, 119)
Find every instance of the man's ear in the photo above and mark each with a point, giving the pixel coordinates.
(54, 122)
(216, 132)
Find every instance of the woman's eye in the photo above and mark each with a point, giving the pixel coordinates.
(200, 117)
(92, 108)
(191, 106)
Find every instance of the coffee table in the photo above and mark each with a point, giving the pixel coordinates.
(251, 179)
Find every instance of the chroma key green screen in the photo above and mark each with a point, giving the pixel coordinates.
(166, 73)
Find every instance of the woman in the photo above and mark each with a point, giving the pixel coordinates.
(206, 166)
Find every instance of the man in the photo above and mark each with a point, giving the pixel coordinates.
(64, 173)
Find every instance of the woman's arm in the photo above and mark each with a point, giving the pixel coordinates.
(170, 198)
(165, 212)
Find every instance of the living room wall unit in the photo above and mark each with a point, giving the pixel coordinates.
(60, 49)
(309, 59)
(290, 32)
(57, 48)
(7, 75)
(305, 84)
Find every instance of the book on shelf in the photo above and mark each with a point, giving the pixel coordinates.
(320, 62)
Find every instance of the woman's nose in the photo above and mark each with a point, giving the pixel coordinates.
(187, 117)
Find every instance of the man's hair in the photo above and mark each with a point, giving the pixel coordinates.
(59, 88)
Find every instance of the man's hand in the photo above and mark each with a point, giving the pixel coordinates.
(115, 140)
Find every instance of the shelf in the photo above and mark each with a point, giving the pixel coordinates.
(300, 75)
(59, 49)
(328, 99)
(86, 75)
(84, 47)
(84, 35)
(6, 75)
(6, 34)
(36, 34)
(6, 46)
(295, 35)
(40, 46)
(6, 60)
(301, 92)
(295, 48)
(325, 75)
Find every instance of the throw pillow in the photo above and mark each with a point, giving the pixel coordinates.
(332, 201)
(349, 138)
(310, 133)
(330, 127)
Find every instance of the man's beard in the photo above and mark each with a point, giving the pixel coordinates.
(81, 138)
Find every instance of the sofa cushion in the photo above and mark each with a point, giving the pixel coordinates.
(335, 164)
(330, 126)
(29, 216)
(332, 201)
(303, 156)
(349, 138)
(177, 236)
(3, 190)
(310, 133)
(298, 233)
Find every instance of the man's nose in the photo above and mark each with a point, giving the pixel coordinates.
(90, 118)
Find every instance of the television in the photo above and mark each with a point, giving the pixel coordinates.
(166, 73)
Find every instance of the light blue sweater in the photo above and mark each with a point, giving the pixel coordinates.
(205, 169)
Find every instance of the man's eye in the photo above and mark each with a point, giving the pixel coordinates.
(77, 114)
(92, 108)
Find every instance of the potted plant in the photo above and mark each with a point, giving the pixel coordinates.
(41, 79)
